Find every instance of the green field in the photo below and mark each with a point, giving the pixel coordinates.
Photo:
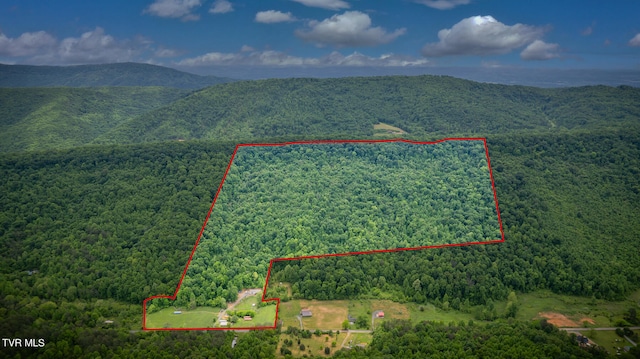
(359, 338)
(265, 316)
(331, 313)
(603, 313)
(202, 317)
(608, 339)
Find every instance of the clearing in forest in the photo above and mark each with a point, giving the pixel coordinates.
(383, 128)
(331, 198)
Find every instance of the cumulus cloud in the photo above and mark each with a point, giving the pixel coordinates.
(94, 46)
(246, 48)
(540, 50)
(635, 41)
(29, 43)
(587, 31)
(351, 29)
(278, 58)
(481, 35)
(221, 7)
(273, 16)
(443, 4)
(164, 52)
(325, 4)
(181, 9)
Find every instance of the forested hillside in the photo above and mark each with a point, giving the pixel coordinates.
(55, 118)
(87, 233)
(118, 74)
(313, 199)
(421, 105)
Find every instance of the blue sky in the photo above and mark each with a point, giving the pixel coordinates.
(200, 34)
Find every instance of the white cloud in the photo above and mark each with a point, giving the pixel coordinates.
(96, 47)
(351, 29)
(221, 7)
(587, 31)
(90, 47)
(273, 16)
(540, 50)
(278, 58)
(29, 43)
(443, 4)
(174, 9)
(164, 52)
(635, 41)
(481, 35)
(246, 48)
(325, 4)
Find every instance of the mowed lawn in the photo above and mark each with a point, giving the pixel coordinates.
(288, 312)
(325, 314)
(265, 316)
(607, 339)
(202, 317)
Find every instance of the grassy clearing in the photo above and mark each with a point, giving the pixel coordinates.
(430, 313)
(360, 338)
(202, 317)
(265, 316)
(331, 314)
(607, 339)
(578, 309)
(312, 346)
(288, 312)
(383, 128)
(326, 314)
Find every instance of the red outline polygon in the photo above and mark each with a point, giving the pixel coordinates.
(264, 290)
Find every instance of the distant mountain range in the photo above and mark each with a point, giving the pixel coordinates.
(119, 74)
(423, 106)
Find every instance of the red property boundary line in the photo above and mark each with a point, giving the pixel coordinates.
(264, 290)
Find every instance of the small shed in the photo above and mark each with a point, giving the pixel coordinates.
(305, 313)
(380, 314)
(352, 320)
(247, 317)
(223, 323)
(177, 312)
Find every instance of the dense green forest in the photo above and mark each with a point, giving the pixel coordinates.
(421, 105)
(424, 106)
(87, 233)
(400, 339)
(55, 118)
(118, 74)
(569, 206)
(302, 200)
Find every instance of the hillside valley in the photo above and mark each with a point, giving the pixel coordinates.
(103, 191)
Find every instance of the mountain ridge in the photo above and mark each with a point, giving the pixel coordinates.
(103, 75)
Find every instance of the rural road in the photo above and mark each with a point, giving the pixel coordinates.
(585, 329)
